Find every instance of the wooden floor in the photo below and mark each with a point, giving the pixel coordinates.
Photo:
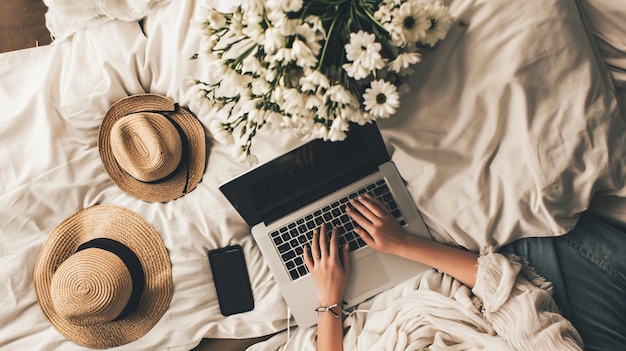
(22, 24)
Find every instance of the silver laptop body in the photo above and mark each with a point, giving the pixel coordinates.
(372, 272)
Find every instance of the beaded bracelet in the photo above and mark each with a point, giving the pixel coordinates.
(330, 309)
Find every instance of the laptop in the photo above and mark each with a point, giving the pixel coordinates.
(285, 199)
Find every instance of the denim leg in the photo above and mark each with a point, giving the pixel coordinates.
(588, 270)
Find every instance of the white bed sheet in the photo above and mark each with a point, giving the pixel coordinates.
(510, 128)
(54, 99)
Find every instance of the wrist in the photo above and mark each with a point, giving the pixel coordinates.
(406, 249)
(330, 300)
(335, 310)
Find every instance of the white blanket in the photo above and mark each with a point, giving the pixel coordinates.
(510, 129)
(512, 309)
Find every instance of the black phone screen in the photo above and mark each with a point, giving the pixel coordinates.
(232, 282)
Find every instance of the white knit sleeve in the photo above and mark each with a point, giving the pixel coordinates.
(521, 311)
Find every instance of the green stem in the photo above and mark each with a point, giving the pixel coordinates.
(328, 39)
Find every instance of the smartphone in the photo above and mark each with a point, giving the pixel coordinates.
(231, 279)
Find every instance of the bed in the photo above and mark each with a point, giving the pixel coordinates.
(515, 123)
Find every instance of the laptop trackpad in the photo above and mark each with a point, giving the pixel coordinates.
(367, 274)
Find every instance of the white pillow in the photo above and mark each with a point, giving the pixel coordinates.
(511, 125)
(607, 18)
(66, 17)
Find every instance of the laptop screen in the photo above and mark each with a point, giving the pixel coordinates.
(305, 174)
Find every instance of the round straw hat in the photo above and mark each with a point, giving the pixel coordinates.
(152, 148)
(103, 278)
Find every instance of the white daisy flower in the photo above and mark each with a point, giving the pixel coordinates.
(320, 131)
(404, 60)
(361, 45)
(287, 26)
(236, 23)
(338, 129)
(293, 100)
(383, 14)
(364, 52)
(255, 32)
(253, 7)
(302, 54)
(285, 5)
(313, 81)
(191, 81)
(207, 44)
(283, 55)
(242, 154)
(311, 36)
(232, 83)
(313, 101)
(271, 75)
(381, 99)
(409, 21)
(337, 93)
(356, 115)
(440, 22)
(304, 126)
(317, 27)
(216, 70)
(215, 19)
(259, 87)
(252, 159)
(251, 65)
(273, 119)
(220, 132)
(273, 41)
(256, 116)
(356, 70)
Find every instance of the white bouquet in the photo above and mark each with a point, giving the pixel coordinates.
(310, 66)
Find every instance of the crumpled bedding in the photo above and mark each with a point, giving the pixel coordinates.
(437, 312)
(511, 127)
(66, 17)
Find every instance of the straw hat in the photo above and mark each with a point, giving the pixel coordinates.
(152, 148)
(103, 278)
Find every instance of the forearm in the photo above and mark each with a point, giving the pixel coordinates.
(459, 263)
(330, 331)
(382, 232)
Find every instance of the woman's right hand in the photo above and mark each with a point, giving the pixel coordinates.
(380, 230)
(377, 227)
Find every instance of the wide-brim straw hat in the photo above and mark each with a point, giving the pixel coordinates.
(103, 277)
(152, 148)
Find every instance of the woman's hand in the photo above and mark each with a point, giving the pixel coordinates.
(329, 265)
(377, 227)
(380, 230)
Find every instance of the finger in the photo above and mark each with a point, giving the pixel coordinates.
(308, 259)
(358, 217)
(345, 259)
(323, 241)
(369, 240)
(334, 242)
(374, 205)
(359, 204)
(315, 246)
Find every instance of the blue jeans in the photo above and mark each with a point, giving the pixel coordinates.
(587, 268)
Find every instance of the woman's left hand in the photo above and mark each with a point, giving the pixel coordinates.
(329, 265)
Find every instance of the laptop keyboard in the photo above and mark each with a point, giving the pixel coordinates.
(290, 240)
